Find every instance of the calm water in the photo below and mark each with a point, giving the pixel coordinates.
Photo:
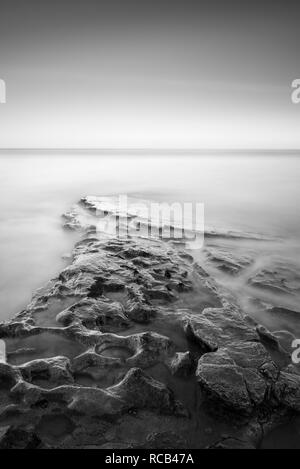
(254, 193)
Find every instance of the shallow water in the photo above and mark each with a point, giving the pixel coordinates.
(45, 345)
(284, 437)
(258, 193)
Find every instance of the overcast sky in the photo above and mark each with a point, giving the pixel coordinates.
(124, 73)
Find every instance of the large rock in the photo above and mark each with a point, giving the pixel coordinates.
(223, 382)
(216, 327)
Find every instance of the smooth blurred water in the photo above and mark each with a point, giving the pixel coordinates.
(259, 193)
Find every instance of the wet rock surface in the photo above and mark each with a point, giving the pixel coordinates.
(134, 336)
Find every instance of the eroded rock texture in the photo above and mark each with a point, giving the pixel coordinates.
(134, 346)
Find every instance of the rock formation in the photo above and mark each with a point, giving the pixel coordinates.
(134, 345)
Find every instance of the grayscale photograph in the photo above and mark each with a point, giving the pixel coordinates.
(149, 227)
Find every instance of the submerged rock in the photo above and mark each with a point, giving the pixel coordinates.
(227, 261)
(279, 277)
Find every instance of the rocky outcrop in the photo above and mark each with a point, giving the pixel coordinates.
(131, 337)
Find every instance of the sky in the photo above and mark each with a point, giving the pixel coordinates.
(149, 74)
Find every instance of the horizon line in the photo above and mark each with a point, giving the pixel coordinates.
(152, 150)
